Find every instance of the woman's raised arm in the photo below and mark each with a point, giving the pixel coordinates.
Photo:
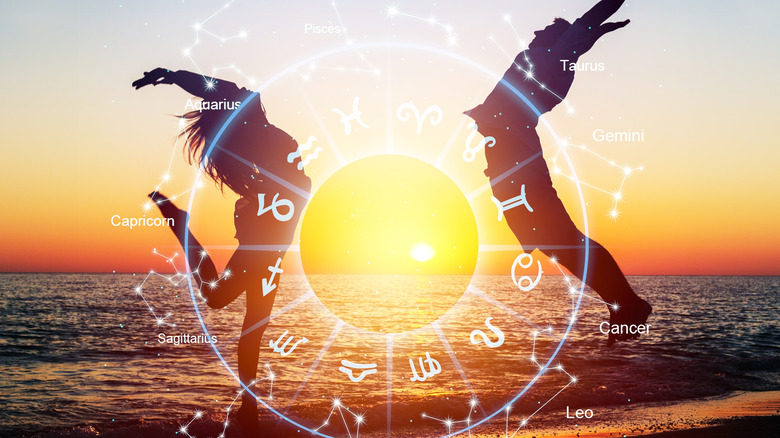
(194, 83)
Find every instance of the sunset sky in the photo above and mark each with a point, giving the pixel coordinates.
(80, 145)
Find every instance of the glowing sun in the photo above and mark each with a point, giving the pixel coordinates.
(422, 252)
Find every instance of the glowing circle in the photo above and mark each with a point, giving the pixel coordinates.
(398, 237)
(522, 100)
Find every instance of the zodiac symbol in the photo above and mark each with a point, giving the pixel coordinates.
(303, 148)
(470, 152)
(346, 368)
(496, 331)
(511, 203)
(277, 349)
(434, 368)
(526, 265)
(274, 206)
(434, 111)
(347, 119)
(268, 284)
(310, 157)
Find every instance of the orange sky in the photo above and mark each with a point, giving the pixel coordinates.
(80, 145)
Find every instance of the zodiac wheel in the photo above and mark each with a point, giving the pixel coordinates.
(400, 323)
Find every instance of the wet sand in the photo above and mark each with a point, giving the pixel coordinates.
(748, 426)
(753, 414)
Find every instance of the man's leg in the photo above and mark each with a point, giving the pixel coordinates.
(603, 274)
(543, 222)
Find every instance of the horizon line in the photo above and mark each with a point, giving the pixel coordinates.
(303, 273)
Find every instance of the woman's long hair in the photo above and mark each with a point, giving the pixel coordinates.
(221, 164)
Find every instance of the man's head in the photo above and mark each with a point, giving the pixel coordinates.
(548, 36)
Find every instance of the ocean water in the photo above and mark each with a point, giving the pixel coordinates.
(83, 349)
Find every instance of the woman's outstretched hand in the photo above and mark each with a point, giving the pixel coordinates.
(157, 76)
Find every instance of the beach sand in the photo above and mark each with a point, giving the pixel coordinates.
(748, 414)
(753, 414)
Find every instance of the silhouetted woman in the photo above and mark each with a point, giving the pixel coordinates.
(250, 158)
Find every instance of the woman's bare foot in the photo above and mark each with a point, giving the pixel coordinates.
(246, 416)
(166, 206)
(170, 211)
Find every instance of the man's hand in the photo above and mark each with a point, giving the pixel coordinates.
(157, 76)
(601, 12)
(609, 27)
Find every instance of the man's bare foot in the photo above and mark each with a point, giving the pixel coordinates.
(631, 313)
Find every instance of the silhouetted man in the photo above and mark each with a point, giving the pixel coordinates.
(518, 172)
